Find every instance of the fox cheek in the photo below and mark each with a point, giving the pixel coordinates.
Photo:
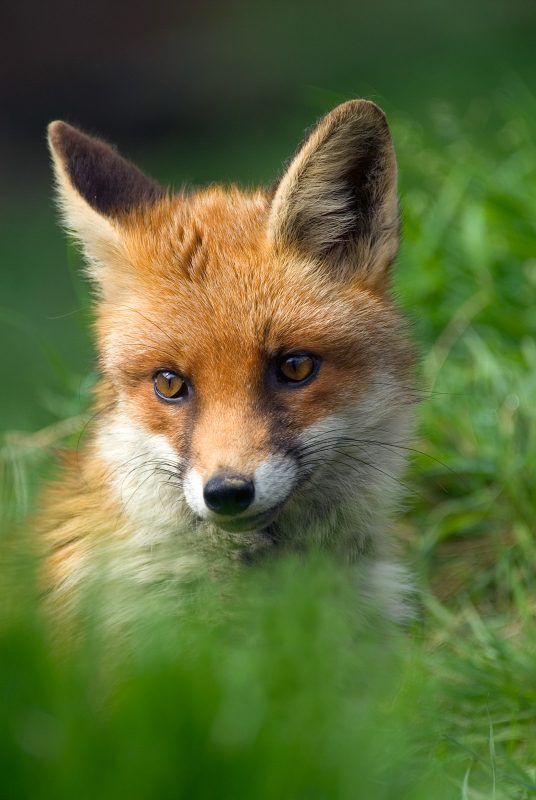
(275, 479)
(193, 492)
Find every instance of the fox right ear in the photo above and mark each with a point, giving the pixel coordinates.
(96, 188)
(337, 202)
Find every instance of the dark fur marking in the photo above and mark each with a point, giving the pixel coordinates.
(195, 255)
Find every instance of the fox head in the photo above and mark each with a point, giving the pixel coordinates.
(254, 368)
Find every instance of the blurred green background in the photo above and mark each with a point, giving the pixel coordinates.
(280, 691)
(202, 92)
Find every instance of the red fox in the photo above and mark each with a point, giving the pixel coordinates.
(255, 372)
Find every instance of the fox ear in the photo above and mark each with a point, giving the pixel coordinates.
(96, 188)
(337, 202)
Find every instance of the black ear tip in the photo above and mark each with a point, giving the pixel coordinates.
(54, 133)
(60, 134)
(56, 128)
(62, 137)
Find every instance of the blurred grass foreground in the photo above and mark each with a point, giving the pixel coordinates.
(270, 684)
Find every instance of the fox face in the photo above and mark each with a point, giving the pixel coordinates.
(254, 369)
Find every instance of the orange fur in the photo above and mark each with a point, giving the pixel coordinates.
(214, 285)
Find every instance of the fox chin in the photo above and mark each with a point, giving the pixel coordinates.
(255, 374)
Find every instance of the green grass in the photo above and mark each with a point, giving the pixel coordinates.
(270, 684)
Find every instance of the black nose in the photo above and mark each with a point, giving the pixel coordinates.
(228, 494)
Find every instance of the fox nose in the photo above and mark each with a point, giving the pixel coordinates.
(228, 494)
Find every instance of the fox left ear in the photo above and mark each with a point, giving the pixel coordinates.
(96, 189)
(337, 202)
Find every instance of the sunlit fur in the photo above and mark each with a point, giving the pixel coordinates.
(214, 285)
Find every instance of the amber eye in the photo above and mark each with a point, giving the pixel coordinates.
(296, 368)
(170, 386)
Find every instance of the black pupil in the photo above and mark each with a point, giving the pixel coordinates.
(296, 368)
(170, 379)
(293, 364)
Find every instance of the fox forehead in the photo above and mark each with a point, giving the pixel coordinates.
(194, 234)
(202, 273)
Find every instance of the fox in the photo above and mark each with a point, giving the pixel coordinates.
(255, 373)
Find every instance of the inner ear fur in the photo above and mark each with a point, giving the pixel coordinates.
(337, 202)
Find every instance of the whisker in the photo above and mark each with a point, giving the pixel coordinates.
(89, 421)
(152, 322)
(351, 460)
(375, 442)
(155, 343)
(138, 487)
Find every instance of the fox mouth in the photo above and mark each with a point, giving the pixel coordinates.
(253, 522)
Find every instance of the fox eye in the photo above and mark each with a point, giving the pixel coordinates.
(296, 368)
(170, 386)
